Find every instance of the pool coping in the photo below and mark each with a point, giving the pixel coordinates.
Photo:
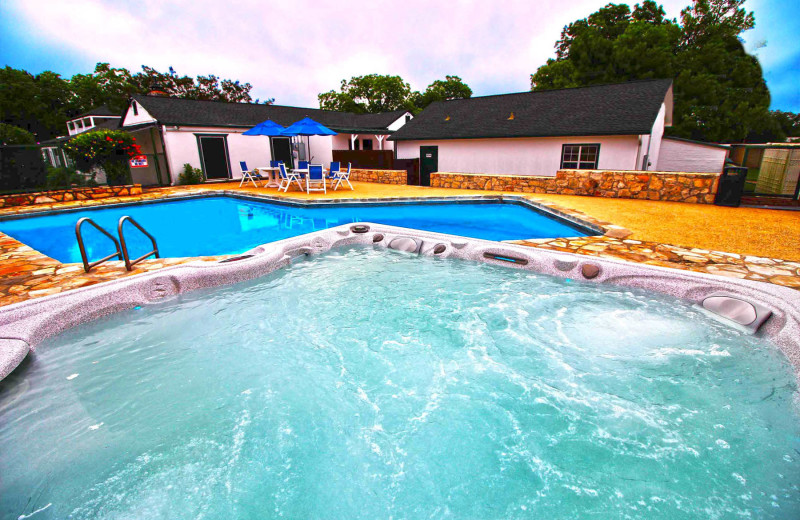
(27, 323)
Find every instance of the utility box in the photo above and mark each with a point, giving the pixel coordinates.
(731, 186)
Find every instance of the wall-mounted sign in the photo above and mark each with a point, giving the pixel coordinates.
(140, 161)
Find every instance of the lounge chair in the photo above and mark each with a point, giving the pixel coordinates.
(247, 175)
(316, 175)
(287, 178)
(343, 177)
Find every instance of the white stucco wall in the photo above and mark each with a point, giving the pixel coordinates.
(143, 116)
(523, 156)
(656, 135)
(321, 148)
(682, 156)
(399, 122)
(182, 148)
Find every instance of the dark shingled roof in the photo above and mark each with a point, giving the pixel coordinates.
(102, 110)
(192, 112)
(619, 109)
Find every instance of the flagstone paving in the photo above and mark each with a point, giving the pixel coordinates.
(26, 273)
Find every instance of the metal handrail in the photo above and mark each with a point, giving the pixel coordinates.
(87, 266)
(128, 263)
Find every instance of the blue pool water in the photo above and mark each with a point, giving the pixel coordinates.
(371, 384)
(228, 225)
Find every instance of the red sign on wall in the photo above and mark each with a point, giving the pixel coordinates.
(140, 161)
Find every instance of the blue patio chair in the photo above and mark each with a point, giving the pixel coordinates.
(302, 165)
(335, 165)
(343, 177)
(316, 176)
(287, 178)
(273, 164)
(247, 175)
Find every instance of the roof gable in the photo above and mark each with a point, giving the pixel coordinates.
(192, 112)
(619, 109)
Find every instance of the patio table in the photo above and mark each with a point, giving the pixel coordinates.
(273, 181)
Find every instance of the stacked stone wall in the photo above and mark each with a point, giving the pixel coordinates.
(49, 197)
(668, 186)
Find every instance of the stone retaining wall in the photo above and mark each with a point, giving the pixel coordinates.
(48, 197)
(379, 176)
(669, 186)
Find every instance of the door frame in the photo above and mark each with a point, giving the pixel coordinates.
(272, 149)
(422, 150)
(202, 159)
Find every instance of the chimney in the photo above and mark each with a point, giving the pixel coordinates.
(157, 90)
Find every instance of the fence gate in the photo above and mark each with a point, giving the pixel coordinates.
(773, 177)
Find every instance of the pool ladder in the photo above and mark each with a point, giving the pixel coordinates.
(120, 246)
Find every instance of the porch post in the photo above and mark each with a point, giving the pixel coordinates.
(353, 138)
(380, 141)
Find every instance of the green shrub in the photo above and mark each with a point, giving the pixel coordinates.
(97, 147)
(61, 177)
(191, 175)
(117, 173)
(10, 134)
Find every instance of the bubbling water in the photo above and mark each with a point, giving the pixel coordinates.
(373, 384)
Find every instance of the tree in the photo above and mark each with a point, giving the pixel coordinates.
(105, 86)
(203, 87)
(10, 134)
(42, 104)
(37, 104)
(375, 93)
(368, 94)
(789, 122)
(452, 87)
(720, 93)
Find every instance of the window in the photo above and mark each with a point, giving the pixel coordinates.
(366, 144)
(87, 122)
(356, 145)
(135, 108)
(579, 156)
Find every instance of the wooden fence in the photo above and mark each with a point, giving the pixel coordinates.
(366, 159)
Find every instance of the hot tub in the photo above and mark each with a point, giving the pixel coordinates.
(371, 371)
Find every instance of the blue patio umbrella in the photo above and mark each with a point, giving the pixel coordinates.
(308, 127)
(268, 127)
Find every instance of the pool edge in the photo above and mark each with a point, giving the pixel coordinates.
(30, 322)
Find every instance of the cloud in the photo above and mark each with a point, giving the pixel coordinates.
(294, 50)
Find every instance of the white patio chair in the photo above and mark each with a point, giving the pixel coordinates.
(343, 176)
(316, 176)
(248, 175)
(287, 178)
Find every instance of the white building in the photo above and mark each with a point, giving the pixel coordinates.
(607, 127)
(208, 135)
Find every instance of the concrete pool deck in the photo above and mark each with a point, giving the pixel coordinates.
(639, 231)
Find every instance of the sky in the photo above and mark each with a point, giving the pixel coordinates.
(292, 51)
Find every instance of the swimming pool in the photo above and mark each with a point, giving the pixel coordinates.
(208, 226)
(367, 383)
